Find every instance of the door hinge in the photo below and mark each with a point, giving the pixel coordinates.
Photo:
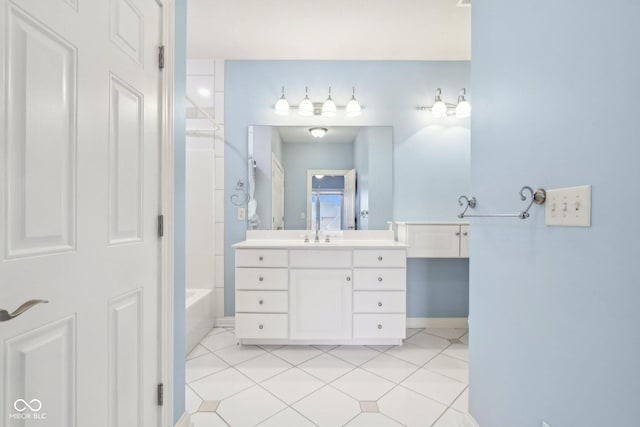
(160, 394)
(161, 57)
(160, 225)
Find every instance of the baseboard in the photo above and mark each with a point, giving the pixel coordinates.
(437, 322)
(225, 322)
(184, 421)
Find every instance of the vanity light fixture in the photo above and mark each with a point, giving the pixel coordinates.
(318, 132)
(441, 109)
(306, 106)
(282, 106)
(329, 107)
(353, 107)
(204, 92)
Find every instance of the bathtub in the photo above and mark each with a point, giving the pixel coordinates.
(198, 316)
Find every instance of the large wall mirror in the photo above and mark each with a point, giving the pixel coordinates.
(340, 181)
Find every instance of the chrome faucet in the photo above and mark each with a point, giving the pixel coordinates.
(306, 238)
(317, 239)
(326, 239)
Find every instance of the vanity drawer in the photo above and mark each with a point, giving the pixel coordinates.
(262, 301)
(261, 258)
(321, 259)
(379, 326)
(249, 325)
(262, 278)
(380, 258)
(380, 279)
(379, 302)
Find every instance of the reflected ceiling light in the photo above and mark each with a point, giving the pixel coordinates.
(318, 132)
(329, 107)
(463, 109)
(203, 91)
(282, 106)
(306, 106)
(319, 176)
(439, 108)
(353, 107)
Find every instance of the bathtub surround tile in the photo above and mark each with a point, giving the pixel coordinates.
(372, 420)
(430, 342)
(218, 99)
(450, 367)
(263, 367)
(412, 354)
(285, 418)
(220, 272)
(237, 354)
(219, 238)
(202, 366)
(446, 332)
(221, 384)
(363, 385)
(209, 406)
(356, 355)
(207, 419)
(390, 368)
(219, 302)
(328, 407)
(435, 386)
(219, 341)
(459, 351)
(369, 406)
(249, 407)
(219, 205)
(292, 385)
(219, 74)
(326, 367)
(218, 138)
(297, 354)
(410, 408)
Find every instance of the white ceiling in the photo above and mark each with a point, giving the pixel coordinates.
(334, 135)
(328, 29)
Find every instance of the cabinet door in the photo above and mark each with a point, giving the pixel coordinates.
(320, 304)
(464, 241)
(433, 241)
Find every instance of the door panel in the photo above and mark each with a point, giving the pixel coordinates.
(80, 144)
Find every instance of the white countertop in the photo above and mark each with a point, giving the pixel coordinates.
(430, 222)
(301, 244)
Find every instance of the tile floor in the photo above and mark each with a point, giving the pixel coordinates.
(422, 383)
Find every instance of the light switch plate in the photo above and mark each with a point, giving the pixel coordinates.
(242, 214)
(569, 207)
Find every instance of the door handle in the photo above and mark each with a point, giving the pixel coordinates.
(5, 315)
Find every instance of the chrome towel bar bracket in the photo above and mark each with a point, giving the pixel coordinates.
(538, 197)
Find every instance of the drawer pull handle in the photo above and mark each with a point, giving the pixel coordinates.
(380, 258)
(260, 327)
(457, 233)
(348, 279)
(260, 258)
(261, 279)
(379, 304)
(465, 234)
(379, 326)
(261, 302)
(379, 279)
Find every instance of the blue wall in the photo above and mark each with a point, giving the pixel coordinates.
(180, 71)
(554, 311)
(431, 156)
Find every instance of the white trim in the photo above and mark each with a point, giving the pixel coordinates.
(225, 322)
(166, 194)
(437, 322)
(184, 421)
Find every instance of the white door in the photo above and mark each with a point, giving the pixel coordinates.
(79, 126)
(277, 195)
(320, 304)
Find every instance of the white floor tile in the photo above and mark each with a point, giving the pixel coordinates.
(325, 348)
(412, 332)
(363, 385)
(270, 347)
(453, 418)
(191, 400)
(297, 354)
(446, 333)
(390, 367)
(354, 354)
(435, 386)
(450, 367)
(412, 354)
(216, 331)
(286, 418)
(221, 384)
(207, 419)
(235, 355)
(328, 407)
(219, 340)
(380, 348)
(202, 366)
(459, 351)
(465, 339)
(410, 408)
(263, 367)
(198, 351)
(292, 385)
(429, 342)
(373, 420)
(461, 404)
(249, 407)
(326, 367)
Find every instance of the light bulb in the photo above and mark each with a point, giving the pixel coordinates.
(353, 107)
(318, 132)
(329, 107)
(439, 110)
(306, 107)
(204, 92)
(282, 106)
(463, 109)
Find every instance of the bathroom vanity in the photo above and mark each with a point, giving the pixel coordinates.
(292, 289)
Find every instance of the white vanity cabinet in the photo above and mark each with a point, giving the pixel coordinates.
(322, 294)
(434, 240)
